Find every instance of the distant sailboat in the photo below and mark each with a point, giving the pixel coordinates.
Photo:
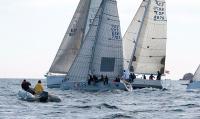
(144, 42)
(100, 54)
(72, 41)
(195, 82)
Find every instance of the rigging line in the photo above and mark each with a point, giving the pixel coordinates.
(101, 9)
(110, 15)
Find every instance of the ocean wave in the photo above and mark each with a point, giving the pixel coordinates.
(190, 105)
(82, 107)
(107, 106)
(118, 116)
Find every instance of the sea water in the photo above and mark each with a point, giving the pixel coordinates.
(174, 103)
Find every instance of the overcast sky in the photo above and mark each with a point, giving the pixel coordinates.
(32, 30)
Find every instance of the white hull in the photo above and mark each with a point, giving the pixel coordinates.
(71, 85)
(55, 81)
(194, 85)
(142, 83)
(26, 96)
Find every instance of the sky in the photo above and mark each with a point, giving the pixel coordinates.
(31, 32)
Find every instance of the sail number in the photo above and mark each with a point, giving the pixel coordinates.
(80, 85)
(115, 32)
(159, 11)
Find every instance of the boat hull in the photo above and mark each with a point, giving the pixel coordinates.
(142, 83)
(194, 85)
(55, 81)
(83, 85)
(26, 96)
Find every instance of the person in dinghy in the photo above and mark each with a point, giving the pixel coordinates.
(39, 91)
(25, 86)
(39, 87)
(36, 94)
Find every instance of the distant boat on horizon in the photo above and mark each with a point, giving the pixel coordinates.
(195, 82)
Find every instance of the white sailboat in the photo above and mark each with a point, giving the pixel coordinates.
(144, 42)
(195, 82)
(100, 54)
(72, 41)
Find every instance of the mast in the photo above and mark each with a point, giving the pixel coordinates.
(96, 38)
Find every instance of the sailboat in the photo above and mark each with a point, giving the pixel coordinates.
(195, 81)
(72, 41)
(144, 43)
(100, 54)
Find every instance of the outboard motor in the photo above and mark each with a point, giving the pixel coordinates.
(43, 96)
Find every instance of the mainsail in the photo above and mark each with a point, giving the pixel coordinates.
(197, 74)
(101, 51)
(145, 40)
(74, 36)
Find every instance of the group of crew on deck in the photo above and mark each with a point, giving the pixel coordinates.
(129, 77)
(94, 79)
(151, 77)
(38, 89)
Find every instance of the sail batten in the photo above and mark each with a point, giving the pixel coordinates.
(147, 52)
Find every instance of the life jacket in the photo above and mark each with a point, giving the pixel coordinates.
(38, 88)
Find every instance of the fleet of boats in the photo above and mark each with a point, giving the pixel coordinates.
(93, 45)
(93, 56)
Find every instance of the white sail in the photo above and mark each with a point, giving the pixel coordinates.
(101, 51)
(94, 6)
(130, 37)
(73, 38)
(197, 74)
(148, 54)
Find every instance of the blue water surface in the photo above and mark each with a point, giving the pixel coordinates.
(174, 103)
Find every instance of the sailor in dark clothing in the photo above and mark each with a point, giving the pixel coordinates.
(25, 86)
(105, 80)
(95, 79)
(132, 77)
(158, 76)
(90, 79)
(144, 76)
(151, 77)
(117, 79)
(102, 78)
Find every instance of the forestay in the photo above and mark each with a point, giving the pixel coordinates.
(94, 6)
(149, 34)
(101, 51)
(73, 38)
